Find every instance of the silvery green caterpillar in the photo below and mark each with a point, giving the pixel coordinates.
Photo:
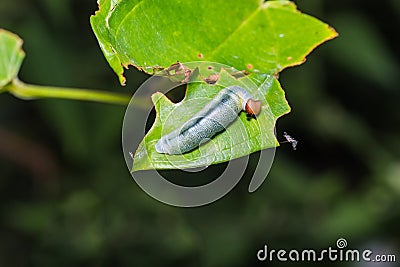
(213, 118)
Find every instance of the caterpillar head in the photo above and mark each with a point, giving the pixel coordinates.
(253, 107)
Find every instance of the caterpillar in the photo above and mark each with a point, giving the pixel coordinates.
(212, 119)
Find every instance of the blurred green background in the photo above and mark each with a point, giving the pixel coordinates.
(67, 198)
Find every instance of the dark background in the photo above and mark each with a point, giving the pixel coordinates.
(67, 199)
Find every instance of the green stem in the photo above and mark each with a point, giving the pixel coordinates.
(28, 91)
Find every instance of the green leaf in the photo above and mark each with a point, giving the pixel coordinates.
(250, 35)
(260, 38)
(11, 56)
(100, 28)
(241, 138)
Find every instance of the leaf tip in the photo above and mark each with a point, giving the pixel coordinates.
(334, 32)
(157, 96)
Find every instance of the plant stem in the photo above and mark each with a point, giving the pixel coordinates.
(29, 91)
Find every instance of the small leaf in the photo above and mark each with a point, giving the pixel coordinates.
(251, 35)
(242, 137)
(11, 56)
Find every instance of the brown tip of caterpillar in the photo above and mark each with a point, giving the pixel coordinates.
(253, 107)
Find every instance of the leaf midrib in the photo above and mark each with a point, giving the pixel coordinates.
(230, 35)
(126, 16)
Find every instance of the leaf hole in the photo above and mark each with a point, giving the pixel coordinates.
(177, 94)
(150, 119)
